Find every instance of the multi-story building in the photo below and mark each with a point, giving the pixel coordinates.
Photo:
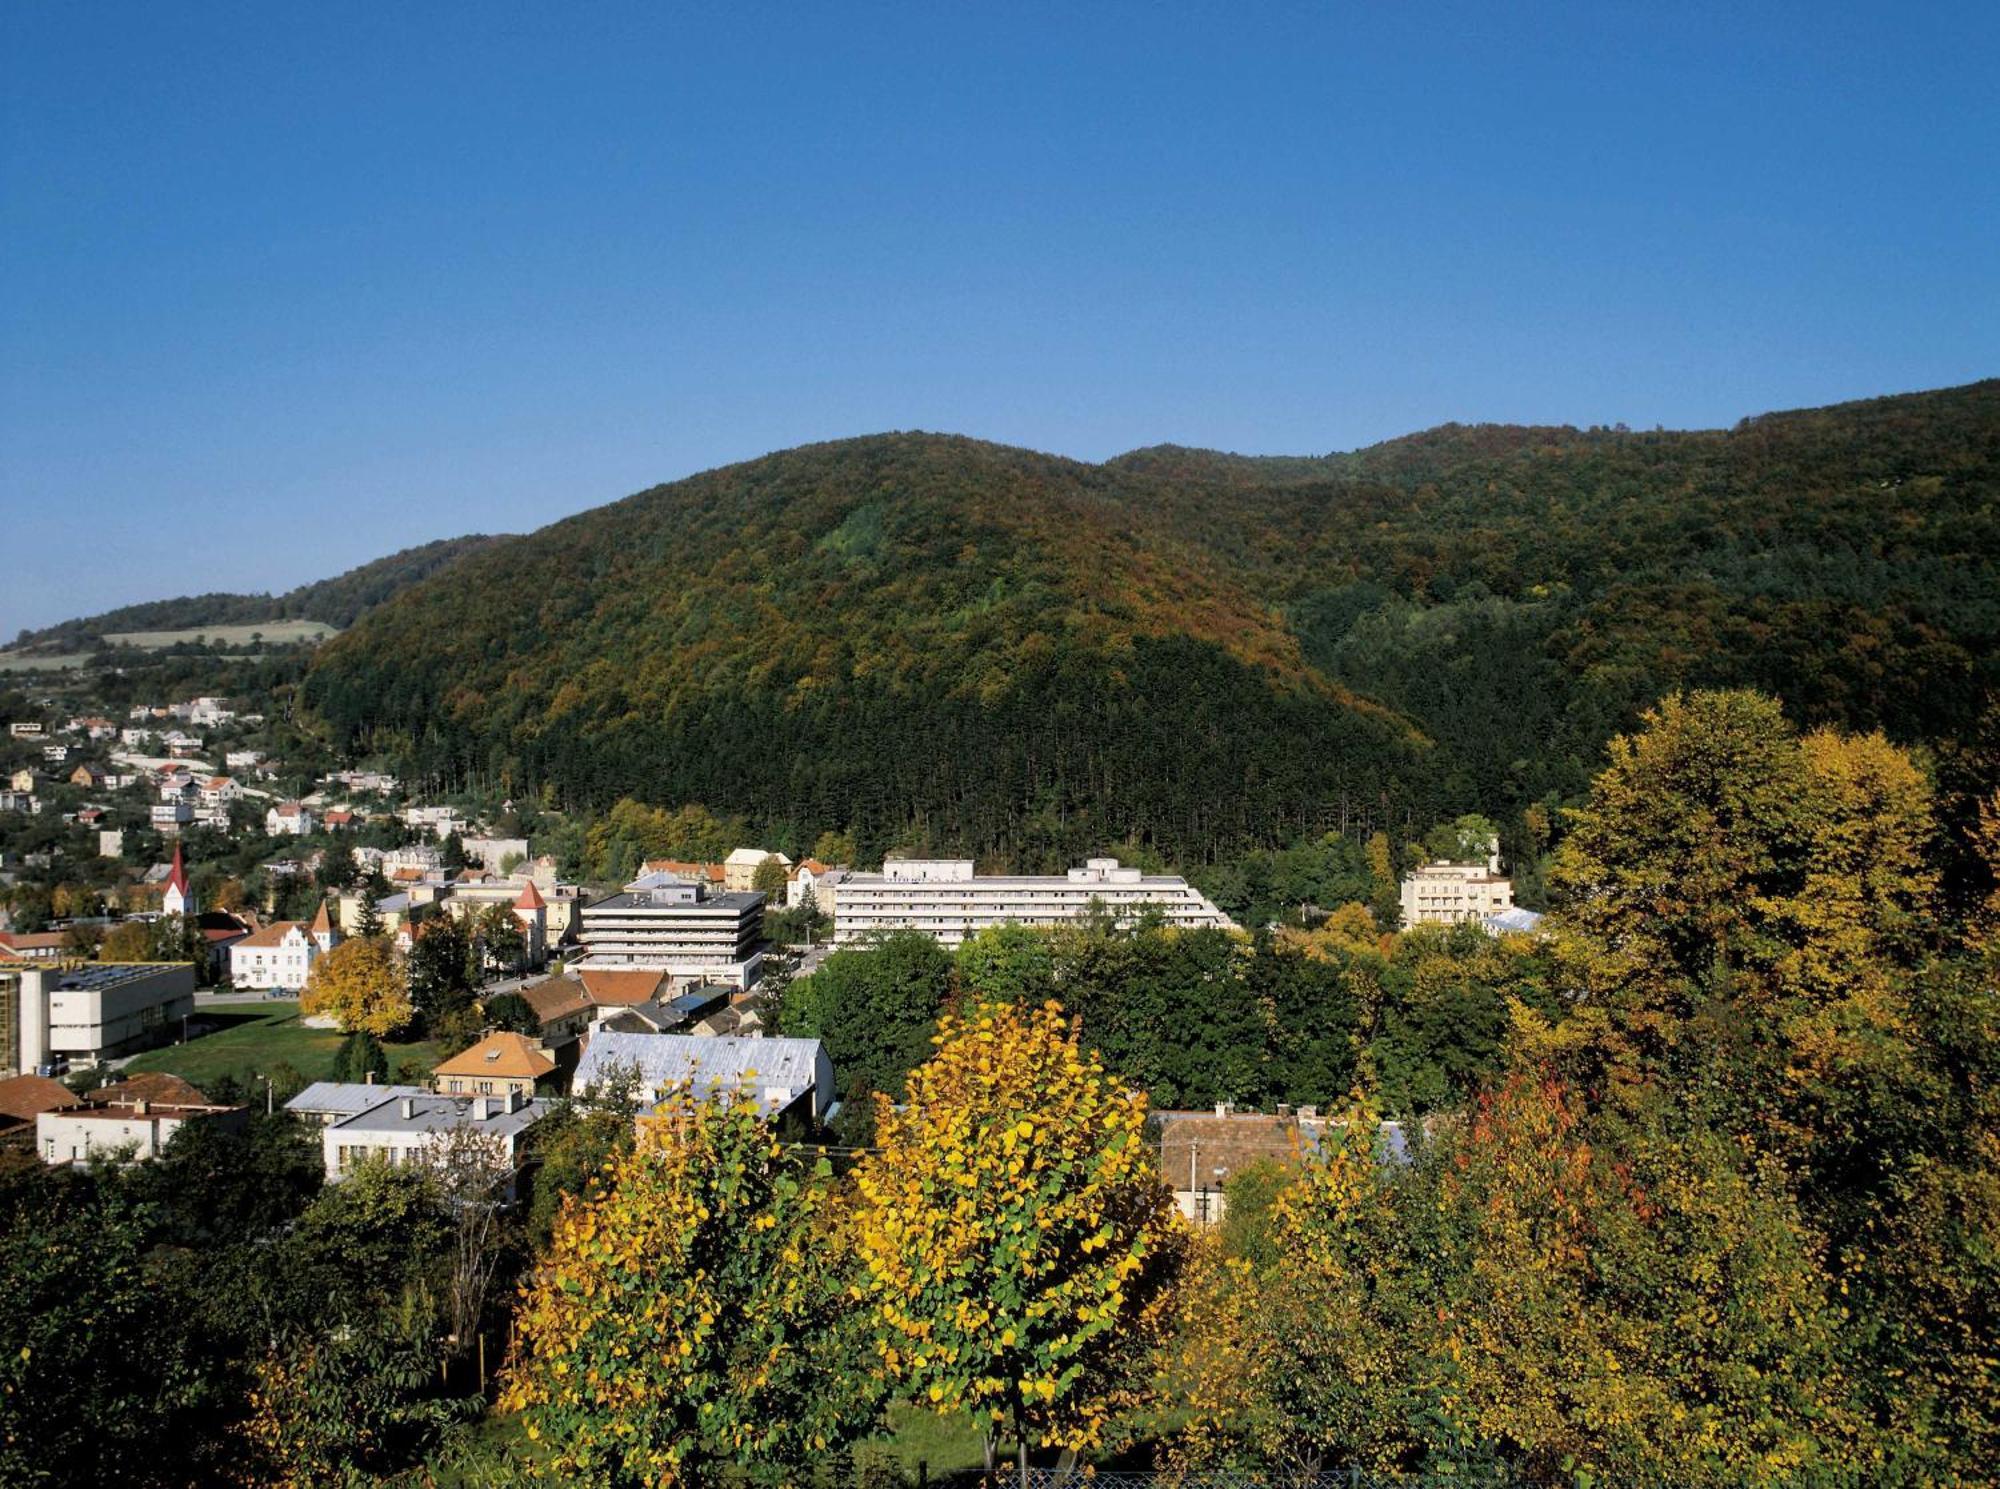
(682, 927)
(1445, 893)
(280, 957)
(416, 1129)
(90, 1013)
(169, 817)
(288, 819)
(944, 898)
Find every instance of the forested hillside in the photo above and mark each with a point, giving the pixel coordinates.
(938, 642)
(337, 601)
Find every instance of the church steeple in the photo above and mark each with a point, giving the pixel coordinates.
(176, 900)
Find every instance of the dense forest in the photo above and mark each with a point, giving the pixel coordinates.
(338, 601)
(934, 642)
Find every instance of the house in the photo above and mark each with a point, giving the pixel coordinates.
(621, 987)
(711, 874)
(739, 869)
(51, 1016)
(19, 801)
(335, 819)
(139, 1129)
(414, 1129)
(111, 842)
(561, 1006)
(90, 777)
(33, 946)
(944, 898)
(327, 1102)
(819, 880)
(243, 759)
(281, 956)
(1446, 893)
(219, 931)
(22, 779)
(24, 1098)
(493, 853)
(471, 897)
(25, 729)
(220, 789)
(786, 1078)
(55, 754)
(169, 817)
(497, 1065)
(288, 819)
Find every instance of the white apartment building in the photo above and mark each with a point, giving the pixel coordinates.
(663, 921)
(89, 1013)
(1445, 893)
(944, 898)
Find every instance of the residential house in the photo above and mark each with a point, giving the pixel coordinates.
(24, 1098)
(1201, 1151)
(25, 729)
(33, 946)
(288, 819)
(502, 1063)
(20, 801)
(821, 881)
(90, 777)
(739, 869)
(561, 1006)
(22, 779)
(243, 759)
(413, 1129)
(55, 754)
(169, 817)
(280, 957)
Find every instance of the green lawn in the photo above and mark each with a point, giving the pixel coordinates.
(258, 1036)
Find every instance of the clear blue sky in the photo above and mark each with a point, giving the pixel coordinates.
(286, 287)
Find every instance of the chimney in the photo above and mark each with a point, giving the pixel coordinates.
(1308, 1113)
(368, 1079)
(139, 1107)
(1222, 1108)
(409, 1108)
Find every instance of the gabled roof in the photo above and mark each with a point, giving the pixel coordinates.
(273, 934)
(512, 1055)
(24, 1097)
(685, 868)
(322, 923)
(531, 898)
(347, 1098)
(556, 997)
(706, 1064)
(622, 986)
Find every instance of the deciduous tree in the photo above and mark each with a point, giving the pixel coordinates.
(361, 984)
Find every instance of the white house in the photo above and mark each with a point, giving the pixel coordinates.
(288, 819)
(413, 1129)
(280, 957)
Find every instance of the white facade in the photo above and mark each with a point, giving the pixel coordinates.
(280, 957)
(942, 897)
(288, 819)
(665, 922)
(136, 1129)
(90, 1013)
(410, 1129)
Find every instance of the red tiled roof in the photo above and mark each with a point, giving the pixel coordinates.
(504, 1054)
(531, 898)
(272, 934)
(149, 1085)
(556, 997)
(23, 1097)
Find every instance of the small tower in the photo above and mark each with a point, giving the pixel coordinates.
(176, 900)
(533, 913)
(325, 934)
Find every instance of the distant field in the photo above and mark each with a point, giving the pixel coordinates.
(274, 631)
(14, 661)
(257, 1036)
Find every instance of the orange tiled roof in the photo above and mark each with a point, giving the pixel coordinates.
(512, 1055)
(272, 934)
(622, 986)
(24, 1097)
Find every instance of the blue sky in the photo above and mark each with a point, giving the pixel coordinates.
(284, 287)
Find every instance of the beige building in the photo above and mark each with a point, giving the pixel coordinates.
(1447, 893)
(86, 1014)
(499, 1065)
(739, 869)
(943, 897)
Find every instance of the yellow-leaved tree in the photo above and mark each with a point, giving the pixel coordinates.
(360, 983)
(695, 1312)
(1019, 1242)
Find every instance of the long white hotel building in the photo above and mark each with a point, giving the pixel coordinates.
(944, 898)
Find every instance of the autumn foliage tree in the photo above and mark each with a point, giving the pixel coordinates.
(1018, 1240)
(693, 1311)
(360, 984)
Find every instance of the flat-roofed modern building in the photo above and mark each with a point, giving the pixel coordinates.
(943, 897)
(661, 920)
(89, 1013)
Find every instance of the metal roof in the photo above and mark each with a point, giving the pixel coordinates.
(347, 1097)
(703, 1062)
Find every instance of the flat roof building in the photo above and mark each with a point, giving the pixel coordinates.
(678, 926)
(944, 898)
(89, 1013)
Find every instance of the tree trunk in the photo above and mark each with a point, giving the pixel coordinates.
(988, 1443)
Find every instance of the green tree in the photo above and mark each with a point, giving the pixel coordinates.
(874, 1008)
(440, 968)
(360, 1056)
